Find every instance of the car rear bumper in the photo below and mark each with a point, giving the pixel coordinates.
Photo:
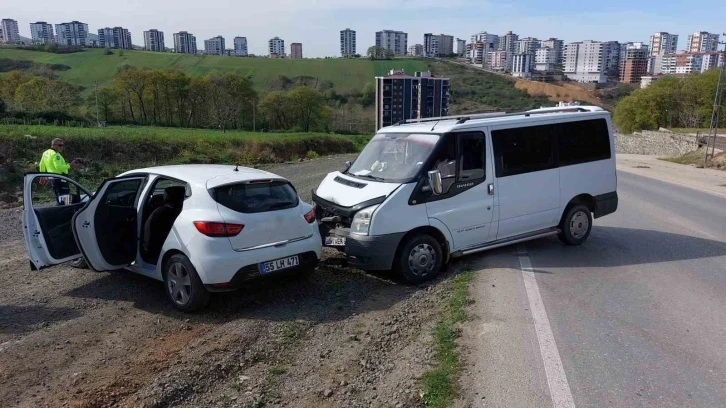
(227, 266)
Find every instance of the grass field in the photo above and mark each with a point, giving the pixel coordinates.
(92, 65)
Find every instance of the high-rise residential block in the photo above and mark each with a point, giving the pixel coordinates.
(507, 43)
(117, 37)
(558, 46)
(296, 50)
(400, 97)
(611, 58)
(10, 31)
(185, 43)
(438, 45)
(584, 61)
(702, 42)
(396, 41)
(347, 43)
(480, 46)
(497, 60)
(522, 64)
(527, 45)
(633, 45)
(634, 64)
(545, 59)
(276, 47)
(214, 46)
(416, 50)
(154, 40)
(41, 33)
(240, 46)
(460, 47)
(73, 33)
(663, 42)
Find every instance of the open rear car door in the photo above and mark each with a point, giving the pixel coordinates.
(106, 228)
(47, 226)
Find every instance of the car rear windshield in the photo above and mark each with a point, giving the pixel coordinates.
(256, 197)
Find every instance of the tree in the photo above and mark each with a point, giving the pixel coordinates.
(42, 94)
(376, 52)
(275, 108)
(107, 103)
(229, 95)
(308, 107)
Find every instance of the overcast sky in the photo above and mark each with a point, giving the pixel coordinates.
(317, 23)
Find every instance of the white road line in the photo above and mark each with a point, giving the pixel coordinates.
(556, 378)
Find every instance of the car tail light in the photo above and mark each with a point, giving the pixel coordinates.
(310, 216)
(218, 229)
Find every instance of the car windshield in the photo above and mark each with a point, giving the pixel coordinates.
(393, 157)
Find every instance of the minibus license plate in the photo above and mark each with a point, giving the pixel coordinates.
(335, 241)
(277, 264)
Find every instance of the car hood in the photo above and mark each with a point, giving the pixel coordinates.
(348, 191)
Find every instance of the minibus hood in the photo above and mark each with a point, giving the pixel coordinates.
(348, 191)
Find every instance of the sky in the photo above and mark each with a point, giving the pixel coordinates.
(317, 23)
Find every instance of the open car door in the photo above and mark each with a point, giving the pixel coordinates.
(106, 229)
(47, 226)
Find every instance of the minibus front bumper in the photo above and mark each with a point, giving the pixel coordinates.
(372, 253)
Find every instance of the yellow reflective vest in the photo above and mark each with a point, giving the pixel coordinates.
(53, 162)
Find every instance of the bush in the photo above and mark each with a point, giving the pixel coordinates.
(311, 154)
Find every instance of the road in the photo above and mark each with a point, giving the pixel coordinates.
(634, 317)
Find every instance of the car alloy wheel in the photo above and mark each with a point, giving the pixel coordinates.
(179, 283)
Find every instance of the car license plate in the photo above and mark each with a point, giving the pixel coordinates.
(335, 241)
(278, 264)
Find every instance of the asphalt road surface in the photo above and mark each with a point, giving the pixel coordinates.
(634, 317)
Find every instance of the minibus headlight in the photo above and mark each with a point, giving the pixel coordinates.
(362, 220)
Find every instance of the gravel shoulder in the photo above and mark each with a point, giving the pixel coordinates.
(340, 337)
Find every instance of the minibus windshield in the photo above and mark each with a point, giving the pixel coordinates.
(393, 157)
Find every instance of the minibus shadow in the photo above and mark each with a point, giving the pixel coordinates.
(609, 247)
(23, 319)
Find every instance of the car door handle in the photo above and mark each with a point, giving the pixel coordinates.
(491, 189)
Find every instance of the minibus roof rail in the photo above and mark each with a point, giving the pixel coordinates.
(463, 118)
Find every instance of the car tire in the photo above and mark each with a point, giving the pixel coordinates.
(182, 285)
(419, 259)
(79, 263)
(576, 225)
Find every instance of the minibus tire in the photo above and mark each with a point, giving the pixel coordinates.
(419, 248)
(198, 295)
(576, 225)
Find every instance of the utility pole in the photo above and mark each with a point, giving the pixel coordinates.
(95, 84)
(713, 129)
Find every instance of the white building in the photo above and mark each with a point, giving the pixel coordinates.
(688, 63)
(545, 59)
(522, 65)
(10, 31)
(702, 42)
(584, 61)
(415, 50)
(347, 43)
(240, 46)
(185, 43)
(662, 41)
(154, 40)
(645, 81)
(440, 45)
(712, 60)
(558, 46)
(214, 46)
(92, 40)
(41, 33)
(527, 45)
(480, 46)
(396, 41)
(276, 47)
(497, 60)
(73, 33)
(117, 37)
(460, 47)
(507, 43)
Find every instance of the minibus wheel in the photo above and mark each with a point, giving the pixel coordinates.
(419, 258)
(576, 225)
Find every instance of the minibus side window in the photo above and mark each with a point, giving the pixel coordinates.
(583, 141)
(524, 150)
(471, 156)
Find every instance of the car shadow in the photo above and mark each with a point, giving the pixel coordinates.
(24, 319)
(609, 247)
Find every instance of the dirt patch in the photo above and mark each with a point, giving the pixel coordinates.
(558, 92)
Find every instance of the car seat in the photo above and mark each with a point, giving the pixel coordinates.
(160, 222)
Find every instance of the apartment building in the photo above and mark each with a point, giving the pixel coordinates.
(584, 61)
(416, 50)
(634, 65)
(527, 45)
(185, 43)
(438, 45)
(480, 46)
(712, 60)
(296, 50)
(347, 43)
(240, 46)
(41, 33)
(215, 46)
(400, 97)
(460, 47)
(72, 33)
(497, 60)
(396, 41)
(522, 64)
(276, 47)
(508, 43)
(545, 59)
(558, 46)
(117, 37)
(92, 40)
(10, 31)
(154, 40)
(611, 58)
(645, 81)
(633, 45)
(702, 42)
(663, 42)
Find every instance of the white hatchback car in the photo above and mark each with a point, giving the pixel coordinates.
(197, 228)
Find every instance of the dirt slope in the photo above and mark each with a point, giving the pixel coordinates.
(558, 92)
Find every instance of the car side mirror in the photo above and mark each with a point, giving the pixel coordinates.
(435, 182)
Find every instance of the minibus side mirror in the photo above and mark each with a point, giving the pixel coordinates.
(435, 182)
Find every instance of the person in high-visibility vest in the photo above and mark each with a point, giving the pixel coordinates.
(53, 162)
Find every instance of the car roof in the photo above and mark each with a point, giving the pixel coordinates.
(451, 124)
(203, 173)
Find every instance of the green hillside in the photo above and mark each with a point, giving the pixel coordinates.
(92, 65)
